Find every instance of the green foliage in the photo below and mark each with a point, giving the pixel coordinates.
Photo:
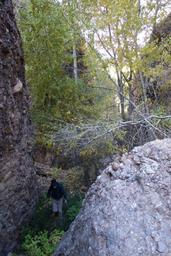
(156, 58)
(93, 155)
(164, 124)
(86, 146)
(73, 178)
(47, 35)
(72, 212)
(40, 28)
(97, 150)
(109, 58)
(105, 145)
(73, 207)
(120, 30)
(41, 244)
(42, 235)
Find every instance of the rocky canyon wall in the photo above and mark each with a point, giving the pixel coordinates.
(18, 186)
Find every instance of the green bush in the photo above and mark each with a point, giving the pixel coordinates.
(72, 178)
(74, 208)
(41, 236)
(41, 244)
(72, 212)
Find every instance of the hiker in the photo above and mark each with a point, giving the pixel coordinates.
(57, 193)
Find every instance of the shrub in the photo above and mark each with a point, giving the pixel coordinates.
(42, 235)
(74, 209)
(72, 178)
(41, 244)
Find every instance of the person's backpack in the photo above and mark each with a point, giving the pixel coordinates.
(57, 191)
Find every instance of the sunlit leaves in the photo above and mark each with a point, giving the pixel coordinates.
(49, 31)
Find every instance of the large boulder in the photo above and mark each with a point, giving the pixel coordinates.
(18, 185)
(127, 211)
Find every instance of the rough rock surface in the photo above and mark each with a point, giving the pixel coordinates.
(127, 211)
(18, 190)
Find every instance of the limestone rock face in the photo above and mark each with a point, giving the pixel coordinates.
(127, 211)
(18, 189)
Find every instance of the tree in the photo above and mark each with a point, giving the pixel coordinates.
(119, 28)
(51, 46)
(112, 36)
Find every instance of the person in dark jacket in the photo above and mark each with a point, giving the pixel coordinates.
(57, 193)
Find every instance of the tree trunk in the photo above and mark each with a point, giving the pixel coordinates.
(144, 89)
(131, 100)
(121, 98)
(18, 188)
(75, 64)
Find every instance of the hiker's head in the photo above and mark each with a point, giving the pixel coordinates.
(53, 182)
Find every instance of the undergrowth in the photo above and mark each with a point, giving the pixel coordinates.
(44, 232)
